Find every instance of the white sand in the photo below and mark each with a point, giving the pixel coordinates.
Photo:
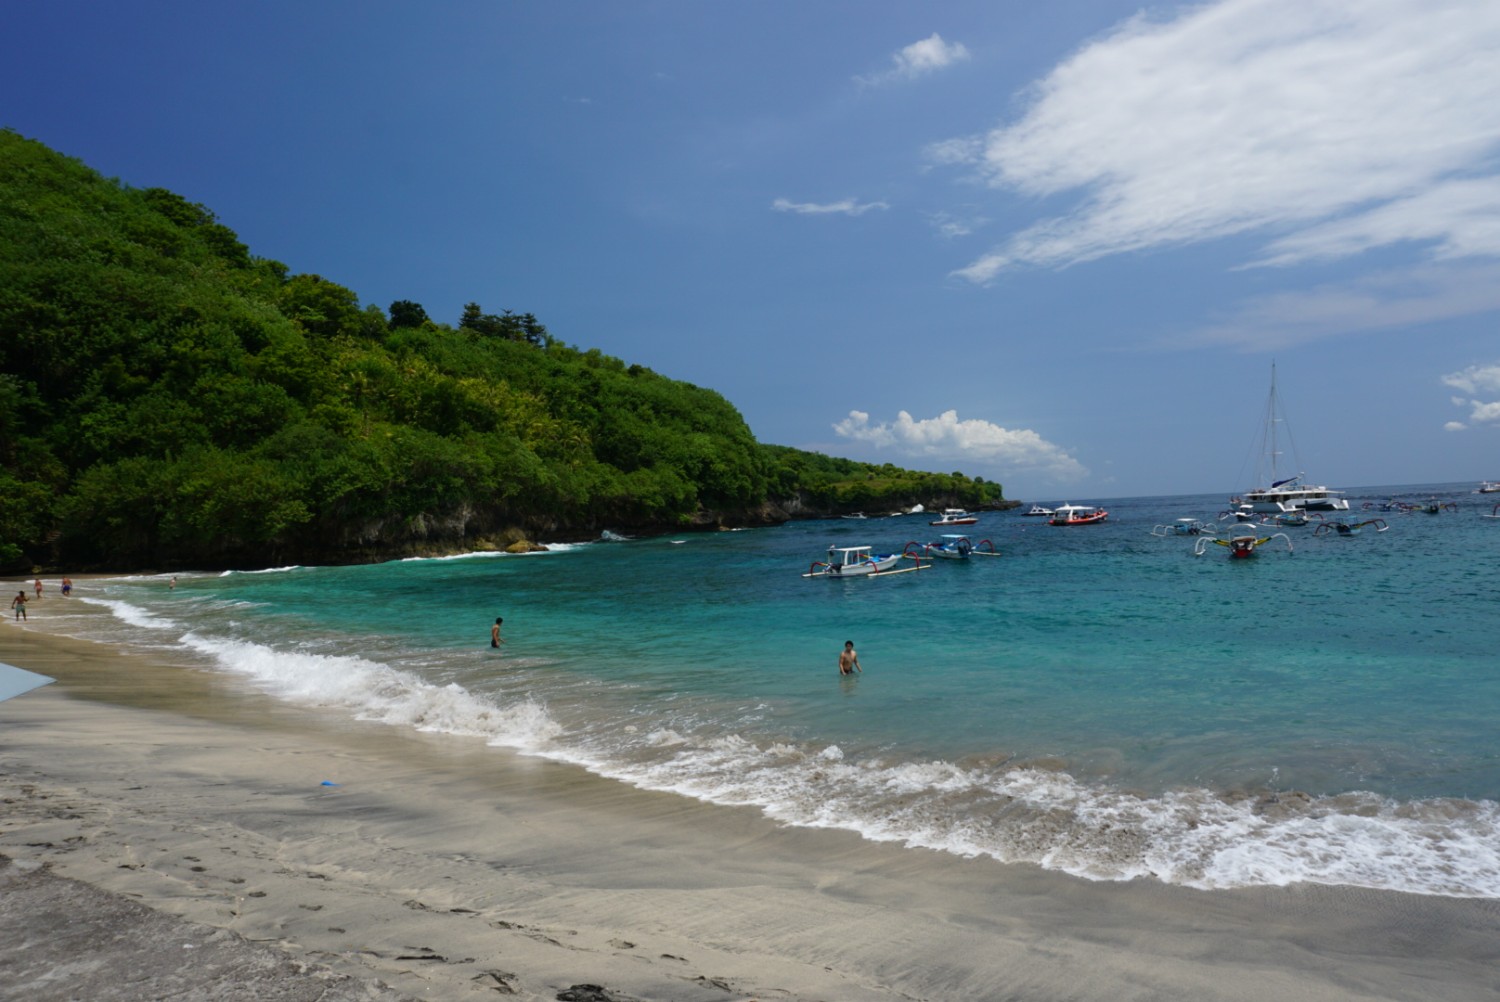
(450, 870)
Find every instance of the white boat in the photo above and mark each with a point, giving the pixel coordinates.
(858, 561)
(1038, 511)
(955, 516)
(1286, 494)
(951, 547)
(1077, 514)
(1488, 487)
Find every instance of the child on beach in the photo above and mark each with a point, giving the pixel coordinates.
(19, 604)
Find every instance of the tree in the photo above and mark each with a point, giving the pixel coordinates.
(405, 313)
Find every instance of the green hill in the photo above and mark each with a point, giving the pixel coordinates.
(168, 399)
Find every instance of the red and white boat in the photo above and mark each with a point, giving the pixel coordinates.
(1077, 514)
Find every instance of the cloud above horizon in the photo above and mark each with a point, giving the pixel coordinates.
(846, 207)
(1472, 381)
(1335, 127)
(948, 437)
(1381, 300)
(919, 59)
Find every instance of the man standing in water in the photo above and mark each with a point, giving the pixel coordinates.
(849, 660)
(495, 640)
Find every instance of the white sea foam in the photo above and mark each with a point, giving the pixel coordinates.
(375, 691)
(134, 615)
(1190, 837)
(264, 570)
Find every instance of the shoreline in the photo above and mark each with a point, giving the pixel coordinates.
(480, 862)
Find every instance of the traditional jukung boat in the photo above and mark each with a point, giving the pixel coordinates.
(951, 547)
(1184, 527)
(955, 516)
(1350, 528)
(1077, 514)
(858, 561)
(1242, 547)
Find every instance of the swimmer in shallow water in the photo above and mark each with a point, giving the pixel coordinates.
(849, 660)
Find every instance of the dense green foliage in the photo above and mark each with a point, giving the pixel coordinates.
(167, 398)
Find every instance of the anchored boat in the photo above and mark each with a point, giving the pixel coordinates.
(858, 561)
(1077, 514)
(955, 516)
(1286, 494)
(1242, 547)
(951, 547)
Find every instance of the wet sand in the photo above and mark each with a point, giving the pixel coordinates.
(445, 869)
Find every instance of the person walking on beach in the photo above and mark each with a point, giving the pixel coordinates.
(67, 587)
(38, 587)
(19, 604)
(495, 639)
(849, 660)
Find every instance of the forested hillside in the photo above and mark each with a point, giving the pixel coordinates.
(169, 399)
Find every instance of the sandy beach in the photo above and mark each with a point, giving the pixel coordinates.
(434, 867)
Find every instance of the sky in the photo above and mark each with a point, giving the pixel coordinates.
(1057, 245)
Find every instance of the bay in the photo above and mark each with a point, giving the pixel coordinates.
(1097, 699)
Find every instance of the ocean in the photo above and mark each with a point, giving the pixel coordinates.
(1097, 700)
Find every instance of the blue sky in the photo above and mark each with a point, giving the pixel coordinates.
(1054, 244)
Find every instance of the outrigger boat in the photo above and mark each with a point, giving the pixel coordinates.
(858, 561)
(1494, 512)
(1077, 514)
(1185, 527)
(1350, 528)
(951, 547)
(1242, 547)
(955, 516)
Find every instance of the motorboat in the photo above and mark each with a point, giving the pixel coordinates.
(955, 516)
(1037, 511)
(1077, 514)
(1489, 487)
(951, 547)
(858, 561)
(1286, 494)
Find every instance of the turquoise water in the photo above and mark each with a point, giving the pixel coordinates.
(1097, 700)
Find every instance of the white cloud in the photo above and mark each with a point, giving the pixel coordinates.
(1344, 126)
(847, 207)
(1425, 294)
(1474, 379)
(919, 59)
(947, 437)
(951, 226)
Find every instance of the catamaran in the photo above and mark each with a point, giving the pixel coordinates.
(1286, 494)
